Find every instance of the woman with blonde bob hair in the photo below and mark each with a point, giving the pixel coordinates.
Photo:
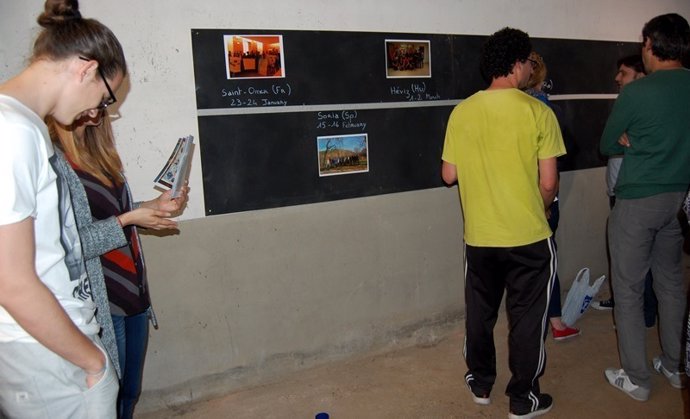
(536, 80)
(535, 84)
(559, 330)
(107, 219)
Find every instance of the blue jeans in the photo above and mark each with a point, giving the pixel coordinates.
(132, 336)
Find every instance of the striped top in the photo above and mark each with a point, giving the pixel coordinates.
(123, 268)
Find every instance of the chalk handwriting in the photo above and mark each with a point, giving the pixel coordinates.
(344, 119)
(251, 96)
(413, 92)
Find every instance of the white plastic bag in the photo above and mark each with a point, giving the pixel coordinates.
(579, 296)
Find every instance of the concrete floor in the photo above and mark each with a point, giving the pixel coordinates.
(427, 382)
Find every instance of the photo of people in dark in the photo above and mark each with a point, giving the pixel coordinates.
(408, 58)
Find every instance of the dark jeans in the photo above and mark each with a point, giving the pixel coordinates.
(132, 335)
(651, 304)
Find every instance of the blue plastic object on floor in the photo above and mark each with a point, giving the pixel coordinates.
(322, 415)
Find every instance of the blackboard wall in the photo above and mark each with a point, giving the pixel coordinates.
(258, 155)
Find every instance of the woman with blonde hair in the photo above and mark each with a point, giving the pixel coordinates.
(559, 330)
(51, 359)
(107, 219)
(535, 85)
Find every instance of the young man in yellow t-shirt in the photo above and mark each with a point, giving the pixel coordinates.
(501, 147)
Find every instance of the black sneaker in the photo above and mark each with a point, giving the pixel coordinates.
(541, 404)
(603, 304)
(479, 396)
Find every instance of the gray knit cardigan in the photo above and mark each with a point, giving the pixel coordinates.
(97, 238)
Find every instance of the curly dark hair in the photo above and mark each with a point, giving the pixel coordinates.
(670, 36)
(501, 50)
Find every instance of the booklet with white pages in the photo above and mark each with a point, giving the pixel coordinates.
(175, 173)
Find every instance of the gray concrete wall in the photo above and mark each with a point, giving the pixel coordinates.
(581, 234)
(247, 297)
(244, 298)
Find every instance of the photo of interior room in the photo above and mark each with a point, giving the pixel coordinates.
(254, 56)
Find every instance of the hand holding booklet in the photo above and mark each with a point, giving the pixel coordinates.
(175, 173)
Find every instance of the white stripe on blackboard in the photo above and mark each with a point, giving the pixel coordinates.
(363, 106)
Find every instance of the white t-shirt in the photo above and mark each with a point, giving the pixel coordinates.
(29, 187)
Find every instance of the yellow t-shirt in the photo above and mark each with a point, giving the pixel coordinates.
(495, 139)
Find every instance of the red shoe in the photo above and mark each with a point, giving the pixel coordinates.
(567, 333)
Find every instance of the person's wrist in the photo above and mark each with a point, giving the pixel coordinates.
(97, 365)
(96, 373)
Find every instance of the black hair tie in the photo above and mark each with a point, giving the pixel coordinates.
(75, 15)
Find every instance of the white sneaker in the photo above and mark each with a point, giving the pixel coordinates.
(674, 378)
(619, 379)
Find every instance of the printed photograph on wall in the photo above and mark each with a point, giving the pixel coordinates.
(254, 56)
(408, 58)
(342, 154)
